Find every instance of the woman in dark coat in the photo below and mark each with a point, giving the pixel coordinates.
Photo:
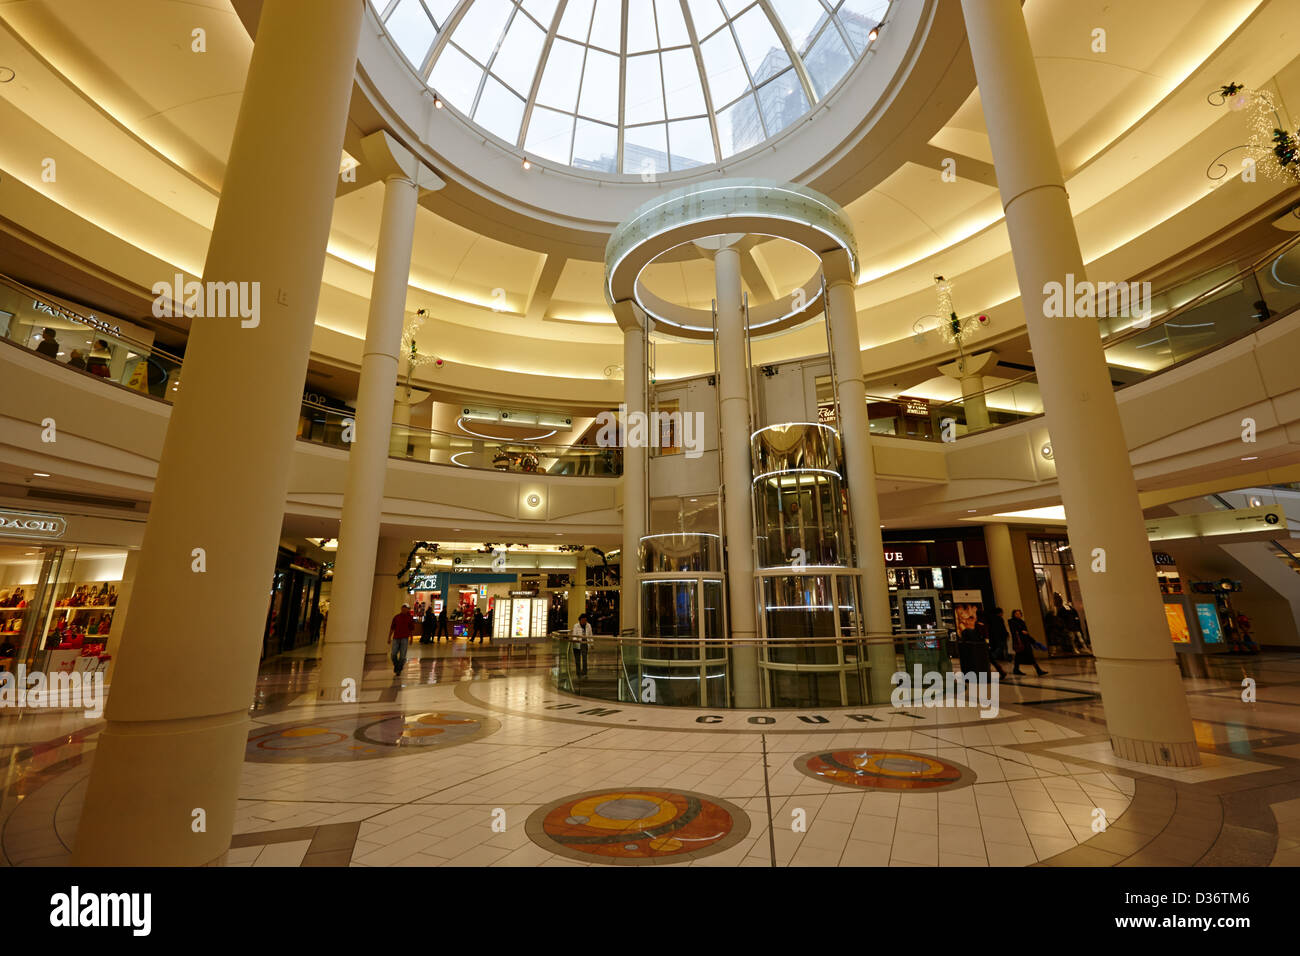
(427, 625)
(1022, 643)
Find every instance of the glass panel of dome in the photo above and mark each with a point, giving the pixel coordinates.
(733, 7)
(607, 26)
(682, 83)
(456, 78)
(550, 135)
(860, 17)
(760, 45)
(690, 144)
(739, 127)
(707, 16)
(672, 26)
(600, 87)
(480, 29)
(644, 97)
(641, 28)
(727, 76)
(499, 111)
(441, 10)
(828, 61)
(559, 87)
(645, 149)
(576, 22)
(801, 19)
(517, 60)
(543, 11)
(595, 147)
(783, 101)
(412, 31)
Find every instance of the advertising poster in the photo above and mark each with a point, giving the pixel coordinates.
(520, 610)
(1177, 620)
(1207, 615)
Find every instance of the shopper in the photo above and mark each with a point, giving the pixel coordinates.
(442, 630)
(97, 364)
(998, 636)
(77, 360)
(48, 345)
(399, 635)
(427, 626)
(582, 633)
(1023, 644)
(985, 638)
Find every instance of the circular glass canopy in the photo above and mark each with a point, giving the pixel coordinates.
(632, 86)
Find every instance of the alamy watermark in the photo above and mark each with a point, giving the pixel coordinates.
(209, 300)
(945, 689)
(1098, 300)
(62, 689)
(652, 430)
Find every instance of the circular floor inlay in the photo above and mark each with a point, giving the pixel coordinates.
(884, 770)
(632, 827)
(364, 736)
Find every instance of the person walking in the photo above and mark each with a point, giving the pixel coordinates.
(1023, 644)
(442, 630)
(427, 625)
(985, 638)
(998, 636)
(582, 633)
(399, 635)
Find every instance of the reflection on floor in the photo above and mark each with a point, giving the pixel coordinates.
(470, 758)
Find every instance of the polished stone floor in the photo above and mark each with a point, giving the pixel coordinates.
(470, 758)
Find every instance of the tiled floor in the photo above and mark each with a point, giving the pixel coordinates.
(485, 744)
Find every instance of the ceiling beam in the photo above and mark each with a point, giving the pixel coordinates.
(539, 300)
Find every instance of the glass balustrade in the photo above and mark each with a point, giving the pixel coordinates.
(1188, 319)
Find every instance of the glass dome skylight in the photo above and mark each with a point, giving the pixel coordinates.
(632, 86)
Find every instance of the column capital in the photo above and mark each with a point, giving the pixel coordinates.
(387, 159)
(969, 365)
(837, 268)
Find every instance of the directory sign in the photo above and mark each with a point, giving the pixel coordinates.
(1207, 615)
(919, 612)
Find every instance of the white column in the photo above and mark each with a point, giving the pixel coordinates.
(1145, 705)
(173, 749)
(635, 493)
(363, 493)
(969, 370)
(1002, 568)
(860, 465)
(385, 597)
(737, 475)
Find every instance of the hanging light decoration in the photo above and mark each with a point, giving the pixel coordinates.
(414, 357)
(952, 329)
(1272, 148)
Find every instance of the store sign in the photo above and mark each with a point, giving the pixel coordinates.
(826, 414)
(1164, 558)
(907, 555)
(422, 582)
(31, 524)
(915, 406)
(59, 312)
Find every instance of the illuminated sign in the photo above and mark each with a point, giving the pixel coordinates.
(59, 312)
(1176, 618)
(31, 524)
(914, 406)
(1207, 615)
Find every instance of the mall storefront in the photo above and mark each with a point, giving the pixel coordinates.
(62, 595)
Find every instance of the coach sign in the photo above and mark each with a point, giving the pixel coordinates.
(31, 524)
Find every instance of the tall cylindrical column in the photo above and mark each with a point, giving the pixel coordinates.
(859, 463)
(399, 441)
(386, 598)
(1002, 568)
(737, 475)
(166, 771)
(1145, 705)
(635, 377)
(363, 492)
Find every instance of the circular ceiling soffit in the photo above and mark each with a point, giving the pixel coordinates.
(724, 207)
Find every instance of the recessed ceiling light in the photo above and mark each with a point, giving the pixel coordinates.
(1251, 458)
(40, 474)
